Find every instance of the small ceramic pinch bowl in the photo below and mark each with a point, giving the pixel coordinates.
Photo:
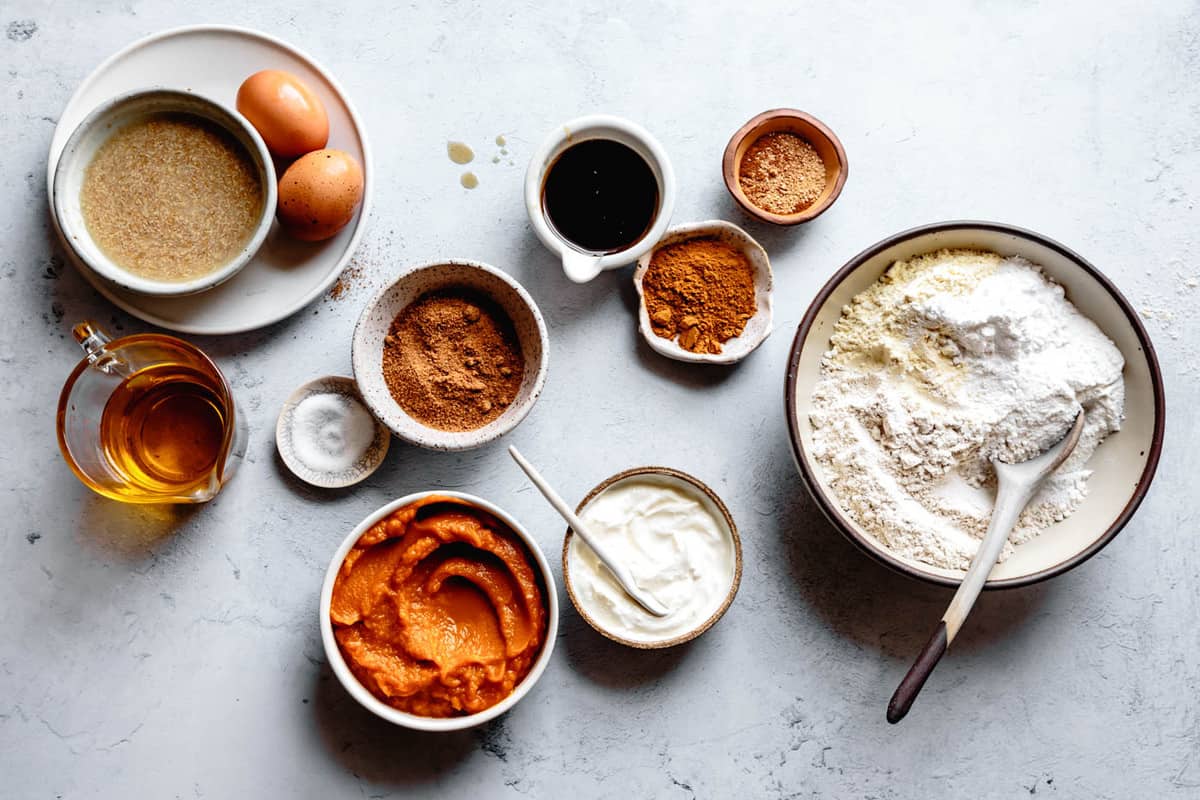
(285, 439)
(678, 480)
(381, 310)
(360, 693)
(1123, 466)
(807, 127)
(758, 327)
(118, 113)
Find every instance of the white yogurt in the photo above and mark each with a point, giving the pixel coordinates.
(672, 539)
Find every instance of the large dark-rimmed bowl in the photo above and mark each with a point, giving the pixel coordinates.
(1123, 465)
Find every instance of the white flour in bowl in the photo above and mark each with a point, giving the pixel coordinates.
(949, 360)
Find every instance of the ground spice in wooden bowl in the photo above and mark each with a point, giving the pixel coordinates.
(782, 173)
(701, 290)
(452, 360)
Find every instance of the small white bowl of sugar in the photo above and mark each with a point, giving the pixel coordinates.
(327, 437)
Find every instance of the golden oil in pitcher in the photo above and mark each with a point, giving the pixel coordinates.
(163, 428)
(168, 430)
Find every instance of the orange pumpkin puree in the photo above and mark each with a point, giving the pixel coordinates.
(438, 609)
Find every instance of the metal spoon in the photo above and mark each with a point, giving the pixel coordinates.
(619, 571)
(1016, 485)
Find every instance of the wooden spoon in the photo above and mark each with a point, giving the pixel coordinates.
(1016, 485)
(619, 571)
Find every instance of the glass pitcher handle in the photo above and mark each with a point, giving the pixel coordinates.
(94, 341)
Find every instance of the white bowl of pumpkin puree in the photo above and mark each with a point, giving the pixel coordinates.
(439, 612)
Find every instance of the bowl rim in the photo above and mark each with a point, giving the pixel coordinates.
(737, 554)
(729, 167)
(219, 114)
(831, 510)
(360, 693)
(430, 438)
(698, 230)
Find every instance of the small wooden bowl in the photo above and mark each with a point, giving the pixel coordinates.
(667, 476)
(807, 127)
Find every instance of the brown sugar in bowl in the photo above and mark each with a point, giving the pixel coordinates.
(807, 127)
(449, 274)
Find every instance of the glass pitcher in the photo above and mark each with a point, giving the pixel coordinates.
(149, 419)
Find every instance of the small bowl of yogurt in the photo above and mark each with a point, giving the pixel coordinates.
(679, 541)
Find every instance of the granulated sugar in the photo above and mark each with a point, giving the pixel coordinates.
(332, 432)
(950, 360)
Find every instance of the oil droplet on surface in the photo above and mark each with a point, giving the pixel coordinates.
(468, 180)
(459, 153)
(501, 141)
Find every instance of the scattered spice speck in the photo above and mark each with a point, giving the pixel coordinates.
(21, 30)
(352, 276)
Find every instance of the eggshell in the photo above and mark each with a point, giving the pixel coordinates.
(289, 117)
(319, 193)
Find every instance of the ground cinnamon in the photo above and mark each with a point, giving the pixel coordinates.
(701, 290)
(452, 360)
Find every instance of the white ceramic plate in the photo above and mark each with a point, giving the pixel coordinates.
(212, 61)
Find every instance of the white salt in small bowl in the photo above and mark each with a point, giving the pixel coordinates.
(301, 456)
(758, 327)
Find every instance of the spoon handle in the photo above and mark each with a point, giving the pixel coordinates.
(1015, 486)
(1011, 497)
(619, 571)
(917, 674)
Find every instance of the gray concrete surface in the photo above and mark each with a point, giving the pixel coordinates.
(158, 653)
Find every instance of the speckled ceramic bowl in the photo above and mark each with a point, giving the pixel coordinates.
(758, 328)
(676, 480)
(1123, 465)
(377, 317)
(337, 663)
(127, 109)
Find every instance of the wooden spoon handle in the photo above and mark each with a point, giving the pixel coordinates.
(910, 687)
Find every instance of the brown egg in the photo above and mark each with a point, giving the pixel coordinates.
(285, 112)
(319, 194)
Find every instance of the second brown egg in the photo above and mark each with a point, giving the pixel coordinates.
(319, 194)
